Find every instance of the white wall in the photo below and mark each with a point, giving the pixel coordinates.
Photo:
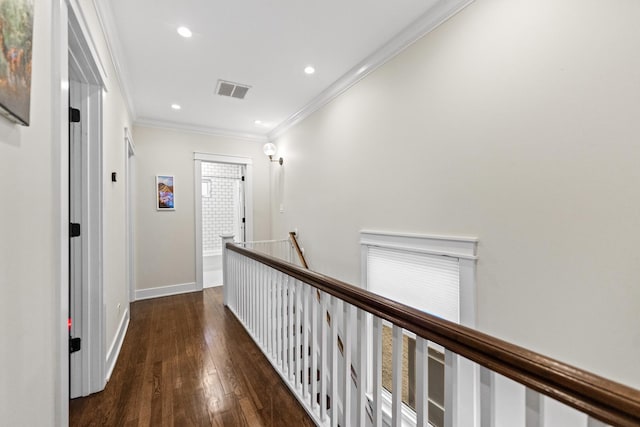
(165, 241)
(30, 168)
(27, 248)
(516, 122)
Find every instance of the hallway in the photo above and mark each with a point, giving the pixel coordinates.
(186, 361)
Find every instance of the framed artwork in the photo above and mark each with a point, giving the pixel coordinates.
(165, 196)
(16, 38)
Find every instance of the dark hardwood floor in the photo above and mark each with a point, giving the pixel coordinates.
(186, 361)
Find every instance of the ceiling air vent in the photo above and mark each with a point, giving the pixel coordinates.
(234, 90)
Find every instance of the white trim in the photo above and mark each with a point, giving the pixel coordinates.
(454, 246)
(430, 20)
(165, 291)
(197, 197)
(129, 153)
(222, 158)
(60, 176)
(110, 34)
(198, 158)
(203, 130)
(129, 139)
(116, 345)
(78, 23)
(87, 75)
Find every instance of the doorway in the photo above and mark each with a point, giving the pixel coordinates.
(223, 206)
(223, 212)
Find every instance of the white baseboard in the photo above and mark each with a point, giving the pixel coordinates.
(165, 291)
(116, 345)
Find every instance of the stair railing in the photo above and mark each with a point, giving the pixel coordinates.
(488, 381)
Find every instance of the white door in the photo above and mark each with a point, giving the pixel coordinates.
(76, 237)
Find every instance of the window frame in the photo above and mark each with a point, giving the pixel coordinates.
(462, 248)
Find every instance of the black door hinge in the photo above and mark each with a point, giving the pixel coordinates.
(243, 220)
(74, 115)
(74, 344)
(243, 178)
(74, 229)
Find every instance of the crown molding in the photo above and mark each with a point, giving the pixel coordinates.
(429, 21)
(114, 45)
(203, 130)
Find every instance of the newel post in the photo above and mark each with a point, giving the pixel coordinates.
(226, 238)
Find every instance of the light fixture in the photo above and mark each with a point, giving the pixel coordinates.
(176, 106)
(185, 32)
(309, 69)
(270, 149)
(262, 124)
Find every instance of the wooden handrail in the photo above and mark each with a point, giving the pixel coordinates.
(603, 399)
(294, 242)
(303, 261)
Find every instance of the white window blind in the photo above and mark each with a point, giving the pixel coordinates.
(430, 283)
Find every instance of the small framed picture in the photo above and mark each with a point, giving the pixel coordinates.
(165, 197)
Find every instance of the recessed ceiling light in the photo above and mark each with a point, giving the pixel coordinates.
(184, 32)
(309, 69)
(263, 124)
(176, 106)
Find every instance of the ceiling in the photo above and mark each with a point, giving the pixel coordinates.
(265, 44)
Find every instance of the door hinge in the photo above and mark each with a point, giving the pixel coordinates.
(243, 178)
(243, 220)
(74, 115)
(74, 229)
(74, 344)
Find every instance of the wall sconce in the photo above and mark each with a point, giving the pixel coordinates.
(270, 149)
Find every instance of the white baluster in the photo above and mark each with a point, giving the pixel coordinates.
(450, 388)
(534, 408)
(290, 326)
(270, 313)
(557, 414)
(315, 339)
(377, 371)
(244, 292)
(334, 362)
(507, 397)
(261, 306)
(487, 416)
(278, 322)
(285, 325)
(362, 369)
(297, 334)
(247, 287)
(240, 290)
(462, 391)
(422, 382)
(305, 343)
(254, 298)
(347, 342)
(592, 422)
(324, 343)
(396, 378)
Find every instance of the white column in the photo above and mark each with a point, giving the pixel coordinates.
(226, 238)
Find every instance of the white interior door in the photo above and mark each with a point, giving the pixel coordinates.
(75, 242)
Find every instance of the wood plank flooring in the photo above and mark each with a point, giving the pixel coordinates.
(187, 361)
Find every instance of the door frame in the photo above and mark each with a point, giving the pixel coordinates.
(197, 196)
(130, 152)
(86, 72)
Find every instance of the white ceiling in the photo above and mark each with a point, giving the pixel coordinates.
(265, 44)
